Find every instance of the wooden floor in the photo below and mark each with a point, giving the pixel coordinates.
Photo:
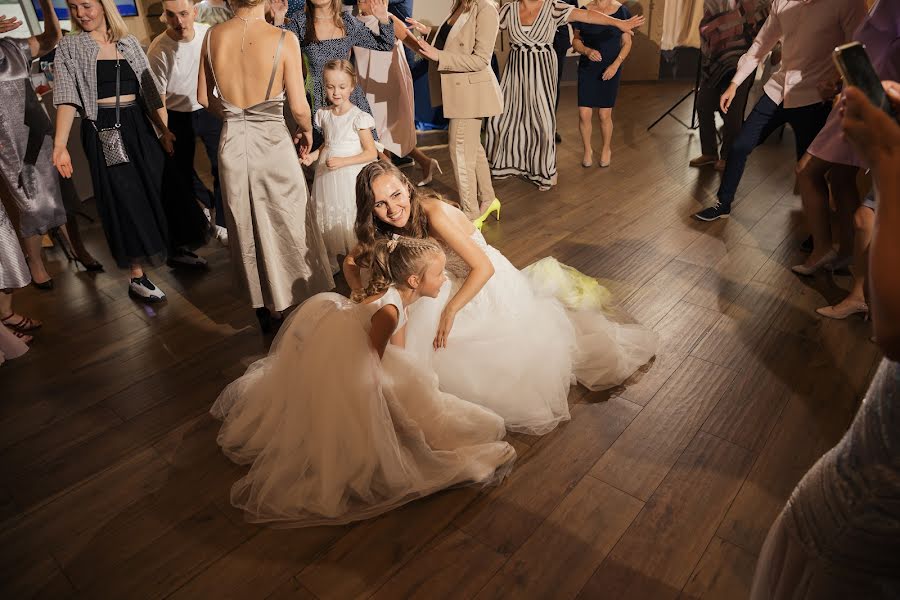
(113, 486)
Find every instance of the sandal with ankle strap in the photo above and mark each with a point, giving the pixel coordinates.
(25, 324)
(24, 337)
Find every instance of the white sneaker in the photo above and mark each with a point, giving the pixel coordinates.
(143, 289)
(185, 258)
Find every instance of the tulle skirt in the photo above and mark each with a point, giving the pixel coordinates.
(334, 435)
(334, 193)
(525, 338)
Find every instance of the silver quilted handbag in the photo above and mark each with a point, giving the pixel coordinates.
(111, 140)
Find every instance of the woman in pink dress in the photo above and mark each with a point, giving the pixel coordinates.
(387, 81)
(831, 154)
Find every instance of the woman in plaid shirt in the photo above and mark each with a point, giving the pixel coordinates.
(129, 199)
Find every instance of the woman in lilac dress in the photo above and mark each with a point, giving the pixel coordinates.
(830, 154)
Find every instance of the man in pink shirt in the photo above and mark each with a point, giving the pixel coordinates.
(809, 30)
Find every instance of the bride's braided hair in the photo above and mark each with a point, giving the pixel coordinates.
(395, 260)
(370, 228)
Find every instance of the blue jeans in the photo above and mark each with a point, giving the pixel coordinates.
(806, 121)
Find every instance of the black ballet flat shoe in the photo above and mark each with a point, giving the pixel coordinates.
(45, 285)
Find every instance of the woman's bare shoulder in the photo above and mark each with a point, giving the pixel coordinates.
(441, 213)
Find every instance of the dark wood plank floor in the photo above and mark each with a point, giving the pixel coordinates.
(114, 487)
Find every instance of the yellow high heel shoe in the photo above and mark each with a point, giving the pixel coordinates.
(493, 208)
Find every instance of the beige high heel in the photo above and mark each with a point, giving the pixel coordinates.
(852, 308)
(822, 263)
(427, 179)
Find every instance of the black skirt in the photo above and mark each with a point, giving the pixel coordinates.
(129, 195)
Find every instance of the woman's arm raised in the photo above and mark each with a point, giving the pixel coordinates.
(46, 41)
(581, 15)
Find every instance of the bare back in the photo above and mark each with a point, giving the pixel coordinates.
(243, 76)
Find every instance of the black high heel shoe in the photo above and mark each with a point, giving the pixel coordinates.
(44, 285)
(94, 267)
(69, 252)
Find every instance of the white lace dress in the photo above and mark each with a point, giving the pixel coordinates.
(525, 338)
(334, 192)
(334, 435)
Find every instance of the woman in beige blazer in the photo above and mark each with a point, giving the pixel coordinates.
(461, 79)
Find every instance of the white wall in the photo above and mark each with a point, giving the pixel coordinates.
(431, 11)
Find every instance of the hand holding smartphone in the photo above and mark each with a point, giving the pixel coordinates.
(856, 69)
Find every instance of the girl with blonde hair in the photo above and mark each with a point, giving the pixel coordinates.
(339, 423)
(347, 148)
(328, 33)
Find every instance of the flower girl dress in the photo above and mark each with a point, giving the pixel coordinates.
(334, 192)
(334, 435)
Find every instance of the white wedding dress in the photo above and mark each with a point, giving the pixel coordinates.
(334, 435)
(519, 344)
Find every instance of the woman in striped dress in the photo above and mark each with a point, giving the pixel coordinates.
(520, 141)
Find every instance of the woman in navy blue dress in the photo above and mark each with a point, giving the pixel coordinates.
(603, 49)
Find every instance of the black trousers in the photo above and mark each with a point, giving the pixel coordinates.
(707, 106)
(766, 117)
(188, 127)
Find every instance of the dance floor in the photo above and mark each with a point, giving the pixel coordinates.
(113, 485)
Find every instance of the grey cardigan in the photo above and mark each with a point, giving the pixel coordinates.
(75, 73)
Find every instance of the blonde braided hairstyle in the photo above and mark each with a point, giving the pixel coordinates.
(398, 258)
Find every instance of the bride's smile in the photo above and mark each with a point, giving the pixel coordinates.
(391, 200)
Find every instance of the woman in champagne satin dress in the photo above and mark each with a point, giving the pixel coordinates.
(275, 243)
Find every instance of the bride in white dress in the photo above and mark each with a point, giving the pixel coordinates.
(512, 341)
(336, 435)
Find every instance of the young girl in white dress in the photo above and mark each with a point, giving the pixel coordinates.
(348, 147)
(339, 423)
(512, 341)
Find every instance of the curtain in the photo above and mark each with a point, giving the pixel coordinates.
(681, 24)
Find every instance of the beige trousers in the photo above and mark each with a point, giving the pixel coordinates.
(470, 165)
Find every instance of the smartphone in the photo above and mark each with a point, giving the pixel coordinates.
(856, 69)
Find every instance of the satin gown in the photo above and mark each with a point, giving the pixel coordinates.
(26, 147)
(275, 243)
(14, 271)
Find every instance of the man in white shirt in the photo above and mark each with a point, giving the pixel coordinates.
(809, 30)
(175, 61)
